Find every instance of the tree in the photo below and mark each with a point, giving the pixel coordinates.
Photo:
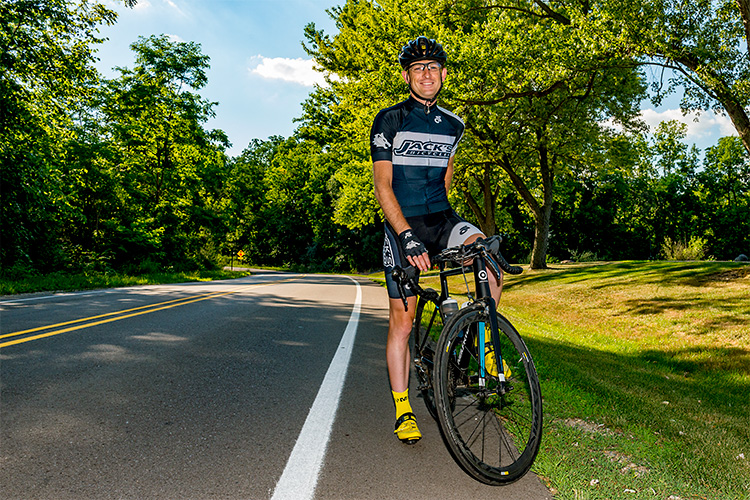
(533, 101)
(46, 56)
(704, 42)
(725, 193)
(165, 161)
(283, 212)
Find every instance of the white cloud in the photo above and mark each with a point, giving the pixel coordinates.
(699, 126)
(300, 71)
(148, 6)
(175, 7)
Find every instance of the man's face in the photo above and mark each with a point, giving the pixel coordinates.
(425, 78)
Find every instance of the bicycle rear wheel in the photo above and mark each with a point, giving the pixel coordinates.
(423, 349)
(492, 431)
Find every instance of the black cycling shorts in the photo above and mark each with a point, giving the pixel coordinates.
(437, 231)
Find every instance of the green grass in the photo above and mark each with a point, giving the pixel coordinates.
(645, 372)
(67, 282)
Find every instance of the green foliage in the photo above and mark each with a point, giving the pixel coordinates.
(104, 175)
(100, 175)
(168, 170)
(283, 192)
(694, 249)
(533, 101)
(585, 256)
(46, 50)
(705, 44)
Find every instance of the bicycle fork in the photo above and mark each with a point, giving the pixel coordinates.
(484, 293)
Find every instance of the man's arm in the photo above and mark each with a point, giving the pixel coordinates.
(382, 174)
(449, 175)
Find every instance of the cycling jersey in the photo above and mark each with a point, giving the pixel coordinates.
(419, 144)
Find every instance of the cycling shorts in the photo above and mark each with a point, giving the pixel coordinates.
(437, 231)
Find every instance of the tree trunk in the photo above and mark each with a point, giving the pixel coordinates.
(543, 214)
(737, 114)
(541, 237)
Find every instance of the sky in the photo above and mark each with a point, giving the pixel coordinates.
(260, 74)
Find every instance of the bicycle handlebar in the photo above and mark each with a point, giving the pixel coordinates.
(462, 253)
(489, 247)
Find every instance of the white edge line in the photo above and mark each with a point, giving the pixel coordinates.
(300, 475)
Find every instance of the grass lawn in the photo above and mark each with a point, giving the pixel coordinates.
(645, 373)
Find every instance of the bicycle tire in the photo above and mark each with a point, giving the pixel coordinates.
(493, 432)
(423, 350)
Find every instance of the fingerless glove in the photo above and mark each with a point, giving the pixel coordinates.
(411, 244)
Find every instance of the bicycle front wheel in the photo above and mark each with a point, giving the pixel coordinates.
(493, 427)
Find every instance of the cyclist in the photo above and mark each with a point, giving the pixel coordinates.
(413, 146)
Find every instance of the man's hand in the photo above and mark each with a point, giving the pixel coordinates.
(415, 251)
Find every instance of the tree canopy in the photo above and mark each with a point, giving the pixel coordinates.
(121, 174)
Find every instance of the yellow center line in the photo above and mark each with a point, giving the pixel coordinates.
(47, 327)
(148, 309)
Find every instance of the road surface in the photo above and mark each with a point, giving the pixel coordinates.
(270, 386)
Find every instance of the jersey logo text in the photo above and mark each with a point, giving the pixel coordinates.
(419, 148)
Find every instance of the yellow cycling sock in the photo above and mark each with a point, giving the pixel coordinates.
(406, 423)
(402, 402)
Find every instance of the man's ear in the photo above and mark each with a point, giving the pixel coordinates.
(405, 76)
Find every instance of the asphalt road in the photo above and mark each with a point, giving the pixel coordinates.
(271, 386)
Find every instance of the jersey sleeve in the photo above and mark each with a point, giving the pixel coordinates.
(458, 125)
(459, 136)
(383, 131)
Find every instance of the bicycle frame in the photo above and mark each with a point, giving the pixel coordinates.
(479, 260)
(483, 294)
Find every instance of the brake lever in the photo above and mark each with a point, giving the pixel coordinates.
(399, 276)
(402, 293)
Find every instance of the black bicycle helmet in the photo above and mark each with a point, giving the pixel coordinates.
(422, 49)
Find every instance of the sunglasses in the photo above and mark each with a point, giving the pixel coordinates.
(432, 67)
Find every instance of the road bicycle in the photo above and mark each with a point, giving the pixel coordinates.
(489, 417)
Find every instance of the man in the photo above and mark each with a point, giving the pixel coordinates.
(413, 146)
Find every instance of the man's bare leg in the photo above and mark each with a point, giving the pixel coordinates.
(398, 358)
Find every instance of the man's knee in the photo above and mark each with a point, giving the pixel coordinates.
(400, 319)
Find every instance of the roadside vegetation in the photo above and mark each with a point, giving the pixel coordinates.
(645, 371)
(61, 281)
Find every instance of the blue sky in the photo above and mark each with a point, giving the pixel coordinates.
(260, 74)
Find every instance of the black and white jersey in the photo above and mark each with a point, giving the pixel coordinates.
(419, 145)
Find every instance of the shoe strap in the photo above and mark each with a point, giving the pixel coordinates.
(405, 417)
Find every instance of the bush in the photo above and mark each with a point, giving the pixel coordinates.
(695, 249)
(584, 256)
